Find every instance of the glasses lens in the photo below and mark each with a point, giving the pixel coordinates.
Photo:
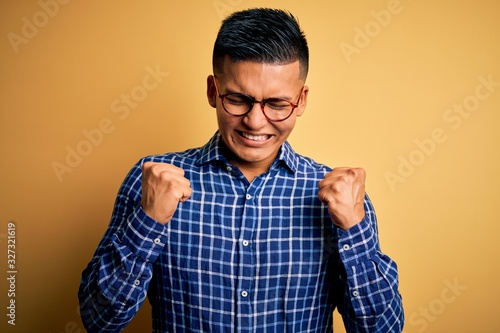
(277, 109)
(237, 104)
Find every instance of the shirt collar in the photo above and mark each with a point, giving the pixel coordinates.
(212, 152)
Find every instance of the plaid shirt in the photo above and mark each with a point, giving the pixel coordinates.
(239, 256)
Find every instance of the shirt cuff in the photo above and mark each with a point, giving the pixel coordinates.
(143, 236)
(358, 243)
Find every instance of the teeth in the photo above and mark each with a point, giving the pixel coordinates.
(255, 137)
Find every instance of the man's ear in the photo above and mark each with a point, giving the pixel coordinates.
(303, 101)
(211, 91)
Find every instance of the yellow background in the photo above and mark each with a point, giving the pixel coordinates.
(374, 106)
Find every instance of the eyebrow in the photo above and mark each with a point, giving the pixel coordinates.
(285, 98)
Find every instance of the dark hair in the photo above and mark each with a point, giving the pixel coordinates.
(264, 35)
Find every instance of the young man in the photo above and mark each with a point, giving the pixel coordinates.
(243, 234)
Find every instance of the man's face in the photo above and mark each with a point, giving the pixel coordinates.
(253, 140)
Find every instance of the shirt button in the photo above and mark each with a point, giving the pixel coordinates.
(157, 240)
(355, 293)
(229, 168)
(248, 197)
(346, 247)
(137, 282)
(244, 293)
(245, 243)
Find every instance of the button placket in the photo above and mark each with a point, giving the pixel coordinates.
(247, 258)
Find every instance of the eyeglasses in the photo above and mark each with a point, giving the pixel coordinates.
(274, 109)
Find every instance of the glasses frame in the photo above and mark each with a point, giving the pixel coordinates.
(253, 101)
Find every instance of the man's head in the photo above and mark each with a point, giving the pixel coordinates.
(263, 35)
(258, 87)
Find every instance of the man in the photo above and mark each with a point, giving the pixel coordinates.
(243, 234)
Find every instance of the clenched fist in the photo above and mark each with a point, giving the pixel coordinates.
(163, 187)
(343, 190)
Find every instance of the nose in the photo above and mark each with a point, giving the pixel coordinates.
(255, 119)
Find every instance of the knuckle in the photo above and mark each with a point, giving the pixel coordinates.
(174, 169)
(343, 178)
(164, 175)
(351, 172)
(337, 187)
(146, 167)
(155, 168)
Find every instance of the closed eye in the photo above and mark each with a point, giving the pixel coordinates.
(278, 104)
(238, 99)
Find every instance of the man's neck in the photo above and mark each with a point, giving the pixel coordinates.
(250, 170)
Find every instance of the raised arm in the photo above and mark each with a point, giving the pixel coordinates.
(115, 283)
(366, 287)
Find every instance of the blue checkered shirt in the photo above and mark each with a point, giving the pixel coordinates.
(239, 256)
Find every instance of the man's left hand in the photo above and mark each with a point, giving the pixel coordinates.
(343, 190)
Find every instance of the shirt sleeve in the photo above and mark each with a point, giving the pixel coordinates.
(368, 298)
(115, 282)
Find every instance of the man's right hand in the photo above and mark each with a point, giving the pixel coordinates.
(163, 187)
